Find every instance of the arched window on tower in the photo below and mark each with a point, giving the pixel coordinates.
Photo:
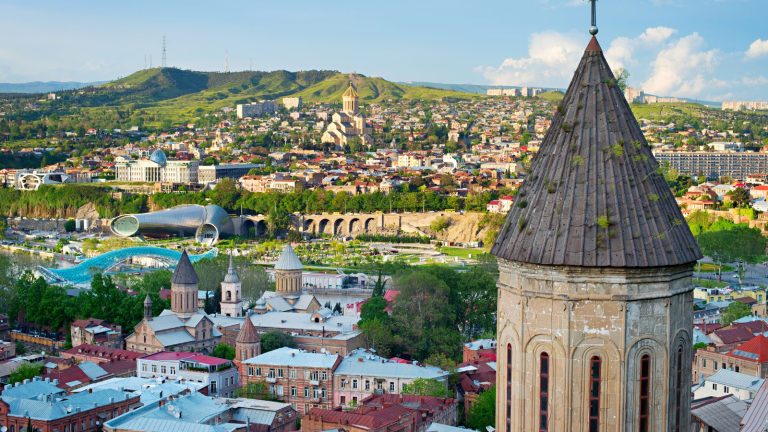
(509, 387)
(678, 387)
(229, 295)
(595, 366)
(543, 392)
(645, 393)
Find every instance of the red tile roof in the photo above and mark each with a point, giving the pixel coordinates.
(168, 355)
(733, 335)
(107, 353)
(758, 346)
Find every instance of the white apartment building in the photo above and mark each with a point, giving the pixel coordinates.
(256, 109)
(219, 375)
(292, 102)
(727, 382)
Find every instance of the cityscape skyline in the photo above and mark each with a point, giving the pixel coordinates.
(447, 42)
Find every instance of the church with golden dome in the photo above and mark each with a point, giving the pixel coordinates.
(348, 123)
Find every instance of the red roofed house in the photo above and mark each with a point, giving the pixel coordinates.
(758, 192)
(749, 358)
(100, 354)
(728, 337)
(385, 413)
(219, 374)
(475, 378)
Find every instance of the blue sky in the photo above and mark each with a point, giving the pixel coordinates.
(708, 49)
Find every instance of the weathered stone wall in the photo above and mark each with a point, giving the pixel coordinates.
(573, 314)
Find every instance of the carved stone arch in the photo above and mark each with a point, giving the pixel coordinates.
(558, 380)
(679, 401)
(507, 334)
(659, 370)
(610, 381)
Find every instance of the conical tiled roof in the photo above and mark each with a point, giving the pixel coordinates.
(231, 276)
(288, 260)
(351, 91)
(594, 196)
(184, 273)
(248, 333)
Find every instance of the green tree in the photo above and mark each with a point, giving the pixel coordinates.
(278, 220)
(427, 387)
(734, 311)
(25, 371)
(70, 225)
(732, 242)
(374, 309)
(739, 197)
(21, 349)
(483, 411)
(378, 335)
(255, 390)
(273, 340)
(224, 351)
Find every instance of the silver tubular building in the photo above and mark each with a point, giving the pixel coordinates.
(207, 223)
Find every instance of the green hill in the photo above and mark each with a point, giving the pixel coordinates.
(180, 95)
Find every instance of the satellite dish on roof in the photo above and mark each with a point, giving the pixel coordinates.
(3, 429)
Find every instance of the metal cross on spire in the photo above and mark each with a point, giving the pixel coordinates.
(593, 28)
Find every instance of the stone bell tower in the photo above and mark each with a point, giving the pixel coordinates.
(184, 288)
(231, 292)
(595, 295)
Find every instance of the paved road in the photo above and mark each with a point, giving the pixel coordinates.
(755, 274)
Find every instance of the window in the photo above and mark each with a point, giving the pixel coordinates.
(173, 370)
(595, 365)
(645, 392)
(343, 400)
(280, 373)
(163, 369)
(714, 386)
(154, 368)
(509, 387)
(703, 363)
(292, 373)
(325, 375)
(391, 386)
(354, 383)
(213, 387)
(737, 368)
(543, 392)
(343, 383)
(293, 391)
(144, 367)
(678, 390)
(725, 389)
(714, 364)
(271, 373)
(258, 371)
(367, 384)
(250, 371)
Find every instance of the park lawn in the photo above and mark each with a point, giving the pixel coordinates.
(460, 252)
(711, 268)
(706, 283)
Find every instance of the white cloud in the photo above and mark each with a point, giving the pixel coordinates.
(754, 81)
(621, 52)
(550, 62)
(758, 48)
(683, 68)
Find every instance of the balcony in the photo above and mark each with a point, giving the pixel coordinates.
(271, 380)
(314, 382)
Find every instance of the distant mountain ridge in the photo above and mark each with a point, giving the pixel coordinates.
(44, 86)
(185, 94)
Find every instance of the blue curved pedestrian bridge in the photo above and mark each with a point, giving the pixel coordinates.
(111, 262)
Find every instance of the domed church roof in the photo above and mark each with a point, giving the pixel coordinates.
(288, 260)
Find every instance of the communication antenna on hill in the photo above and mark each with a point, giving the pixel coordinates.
(164, 56)
(226, 60)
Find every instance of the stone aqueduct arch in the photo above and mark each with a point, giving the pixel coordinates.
(333, 224)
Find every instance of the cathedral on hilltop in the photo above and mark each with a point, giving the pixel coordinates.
(348, 123)
(595, 292)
